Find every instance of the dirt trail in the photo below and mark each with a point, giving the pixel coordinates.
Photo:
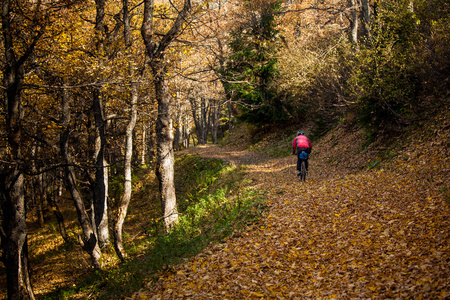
(342, 234)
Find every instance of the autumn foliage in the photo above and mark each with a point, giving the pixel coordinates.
(102, 98)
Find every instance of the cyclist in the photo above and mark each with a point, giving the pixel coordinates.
(301, 143)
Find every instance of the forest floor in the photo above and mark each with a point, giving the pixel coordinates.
(362, 227)
(371, 222)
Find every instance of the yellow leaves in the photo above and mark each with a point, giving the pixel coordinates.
(368, 233)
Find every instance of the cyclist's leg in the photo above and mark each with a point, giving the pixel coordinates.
(303, 170)
(306, 164)
(299, 160)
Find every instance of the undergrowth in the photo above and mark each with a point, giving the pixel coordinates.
(213, 204)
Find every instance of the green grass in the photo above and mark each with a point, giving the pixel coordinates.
(213, 204)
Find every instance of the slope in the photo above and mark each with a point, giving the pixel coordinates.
(371, 222)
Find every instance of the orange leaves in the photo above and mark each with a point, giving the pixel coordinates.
(370, 234)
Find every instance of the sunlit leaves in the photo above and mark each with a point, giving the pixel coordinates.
(379, 233)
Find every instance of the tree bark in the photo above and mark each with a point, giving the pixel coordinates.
(365, 7)
(41, 198)
(201, 115)
(354, 10)
(14, 240)
(59, 216)
(101, 175)
(165, 156)
(215, 120)
(53, 199)
(100, 200)
(125, 201)
(226, 86)
(186, 129)
(37, 188)
(144, 144)
(14, 228)
(126, 23)
(178, 140)
(196, 117)
(205, 110)
(89, 240)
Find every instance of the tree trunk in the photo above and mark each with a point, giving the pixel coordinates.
(14, 240)
(100, 200)
(144, 144)
(186, 131)
(126, 23)
(53, 199)
(89, 240)
(226, 86)
(14, 235)
(354, 10)
(165, 157)
(164, 154)
(59, 218)
(178, 140)
(205, 119)
(201, 115)
(37, 188)
(215, 120)
(125, 201)
(366, 17)
(196, 116)
(41, 199)
(14, 228)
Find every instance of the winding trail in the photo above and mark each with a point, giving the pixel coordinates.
(344, 234)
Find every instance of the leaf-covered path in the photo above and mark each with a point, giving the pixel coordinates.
(343, 234)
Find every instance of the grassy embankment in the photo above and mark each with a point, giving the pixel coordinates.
(213, 204)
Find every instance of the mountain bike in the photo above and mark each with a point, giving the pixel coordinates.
(302, 173)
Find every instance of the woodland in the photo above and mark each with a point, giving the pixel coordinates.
(144, 146)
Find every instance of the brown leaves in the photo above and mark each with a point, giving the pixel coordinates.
(372, 234)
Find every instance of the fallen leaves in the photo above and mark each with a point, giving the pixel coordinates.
(369, 234)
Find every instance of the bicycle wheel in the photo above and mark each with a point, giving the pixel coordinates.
(303, 171)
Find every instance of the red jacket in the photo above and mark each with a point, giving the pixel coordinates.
(301, 141)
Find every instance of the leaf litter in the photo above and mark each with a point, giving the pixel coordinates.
(345, 233)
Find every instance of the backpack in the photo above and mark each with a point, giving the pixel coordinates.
(302, 142)
(303, 155)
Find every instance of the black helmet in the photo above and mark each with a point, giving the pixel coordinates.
(300, 132)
